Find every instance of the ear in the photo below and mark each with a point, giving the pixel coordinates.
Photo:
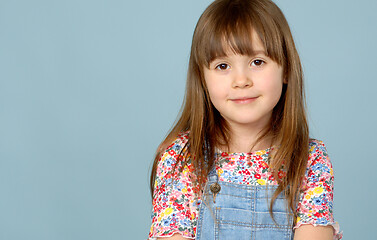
(285, 80)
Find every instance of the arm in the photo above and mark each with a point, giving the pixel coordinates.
(315, 208)
(174, 209)
(310, 232)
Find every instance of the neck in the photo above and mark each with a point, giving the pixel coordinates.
(244, 139)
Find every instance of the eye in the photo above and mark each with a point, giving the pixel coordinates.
(222, 66)
(257, 62)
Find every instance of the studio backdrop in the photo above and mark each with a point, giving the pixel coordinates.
(88, 89)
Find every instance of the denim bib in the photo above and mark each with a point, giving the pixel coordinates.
(242, 212)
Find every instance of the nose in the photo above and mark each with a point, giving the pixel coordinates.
(241, 79)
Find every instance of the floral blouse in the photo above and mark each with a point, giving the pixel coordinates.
(176, 203)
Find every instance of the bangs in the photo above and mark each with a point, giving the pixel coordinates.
(229, 29)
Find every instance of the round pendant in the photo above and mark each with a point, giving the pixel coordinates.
(215, 188)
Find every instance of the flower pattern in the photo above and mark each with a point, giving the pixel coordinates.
(176, 202)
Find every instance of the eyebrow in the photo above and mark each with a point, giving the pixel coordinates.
(254, 53)
(259, 52)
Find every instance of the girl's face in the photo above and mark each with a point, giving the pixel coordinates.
(245, 89)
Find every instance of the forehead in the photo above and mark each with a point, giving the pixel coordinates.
(231, 44)
(240, 39)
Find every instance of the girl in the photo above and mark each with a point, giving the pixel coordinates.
(239, 164)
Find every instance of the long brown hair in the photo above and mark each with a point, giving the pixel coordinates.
(231, 23)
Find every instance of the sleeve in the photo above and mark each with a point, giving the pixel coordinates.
(315, 204)
(174, 207)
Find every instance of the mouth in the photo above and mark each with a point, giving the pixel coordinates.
(244, 100)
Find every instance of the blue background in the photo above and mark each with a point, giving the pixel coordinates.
(88, 89)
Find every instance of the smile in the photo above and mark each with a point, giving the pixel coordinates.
(244, 100)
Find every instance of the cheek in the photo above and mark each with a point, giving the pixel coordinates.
(273, 84)
(216, 90)
(216, 93)
(274, 78)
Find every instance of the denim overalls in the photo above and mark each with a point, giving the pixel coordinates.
(242, 212)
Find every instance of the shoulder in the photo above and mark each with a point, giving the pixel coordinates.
(316, 147)
(171, 154)
(175, 148)
(318, 155)
(178, 143)
(319, 167)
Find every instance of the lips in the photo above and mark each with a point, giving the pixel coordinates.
(244, 100)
